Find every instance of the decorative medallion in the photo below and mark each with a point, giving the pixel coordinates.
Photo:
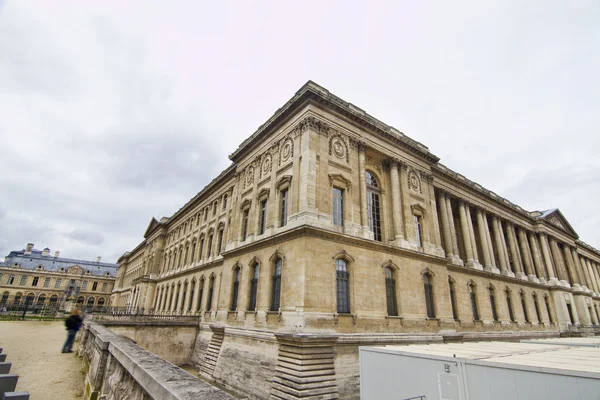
(337, 147)
(266, 164)
(414, 182)
(287, 150)
(249, 178)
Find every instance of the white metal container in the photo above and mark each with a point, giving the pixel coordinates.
(480, 371)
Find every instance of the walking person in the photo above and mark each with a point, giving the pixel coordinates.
(73, 323)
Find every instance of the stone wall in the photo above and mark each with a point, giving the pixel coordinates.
(171, 340)
(116, 368)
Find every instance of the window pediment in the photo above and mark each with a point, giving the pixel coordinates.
(284, 182)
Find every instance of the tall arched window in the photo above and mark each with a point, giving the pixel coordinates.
(276, 288)
(550, 318)
(524, 305)
(200, 293)
(452, 287)
(537, 308)
(53, 300)
(190, 301)
(493, 303)
(4, 298)
(236, 287)
(511, 314)
(343, 292)
(473, 295)
(429, 295)
(373, 205)
(211, 285)
(253, 287)
(390, 292)
(41, 299)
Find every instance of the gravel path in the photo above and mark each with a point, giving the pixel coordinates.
(34, 348)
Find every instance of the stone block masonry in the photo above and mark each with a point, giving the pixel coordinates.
(119, 369)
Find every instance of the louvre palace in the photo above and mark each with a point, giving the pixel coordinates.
(38, 279)
(331, 230)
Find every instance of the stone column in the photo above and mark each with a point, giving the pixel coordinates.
(465, 234)
(514, 251)
(179, 300)
(498, 241)
(575, 280)
(548, 260)
(537, 260)
(583, 273)
(187, 299)
(594, 269)
(396, 202)
(477, 264)
(487, 259)
(525, 252)
(560, 270)
(362, 186)
(488, 236)
(510, 273)
(167, 299)
(445, 226)
(195, 299)
(459, 261)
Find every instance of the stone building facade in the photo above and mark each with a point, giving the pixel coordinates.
(331, 230)
(41, 279)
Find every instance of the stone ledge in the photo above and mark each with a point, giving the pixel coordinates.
(154, 375)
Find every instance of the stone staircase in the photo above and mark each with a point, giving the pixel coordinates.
(207, 368)
(8, 381)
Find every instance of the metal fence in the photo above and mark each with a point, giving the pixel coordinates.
(139, 313)
(25, 309)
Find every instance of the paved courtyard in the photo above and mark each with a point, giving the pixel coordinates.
(34, 348)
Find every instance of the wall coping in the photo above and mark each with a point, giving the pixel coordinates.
(159, 378)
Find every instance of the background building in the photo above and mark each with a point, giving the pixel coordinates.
(332, 223)
(41, 279)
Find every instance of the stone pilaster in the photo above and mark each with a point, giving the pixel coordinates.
(445, 227)
(527, 259)
(465, 234)
(487, 256)
(396, 202)
(575, 280)
(305, 367)
(362, 187)
(560, 267)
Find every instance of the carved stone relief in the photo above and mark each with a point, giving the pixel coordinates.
(287, 151)
(414, 182)
(266, 165)
(249, 177)
(338, 147)
(554, 220)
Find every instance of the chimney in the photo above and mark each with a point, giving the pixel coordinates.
(46, 252)
(28, 248)
(56, 253)
(98, 259)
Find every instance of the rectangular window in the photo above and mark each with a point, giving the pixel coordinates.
(11, 280)
(36, 279)
(493, 304)
(548, 309)
(245, 224)
(58, 283)
(0, 277)
(338, 207)
(84, 285)
(206, 214)
(284, 206)
(453, 302)
(510, 309)
(418, 230)
(104, 286)
(23, 280)
(224, 201)
(215, 208)
(95, 286)
(201, 248)
(263, 217)
(525, 308)
(47, 282)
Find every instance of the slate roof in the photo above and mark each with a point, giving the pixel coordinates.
(51, 263)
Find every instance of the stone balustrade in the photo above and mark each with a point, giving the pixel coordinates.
(117, 368)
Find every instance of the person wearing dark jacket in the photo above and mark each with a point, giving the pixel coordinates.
(73, 323)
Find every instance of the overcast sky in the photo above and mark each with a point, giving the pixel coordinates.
(114, 112)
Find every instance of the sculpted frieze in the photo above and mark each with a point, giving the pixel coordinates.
(338, 147)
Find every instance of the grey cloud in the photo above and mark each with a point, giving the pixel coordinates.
(86, 237)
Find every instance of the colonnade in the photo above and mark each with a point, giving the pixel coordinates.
(503, 247)
(181, 298)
